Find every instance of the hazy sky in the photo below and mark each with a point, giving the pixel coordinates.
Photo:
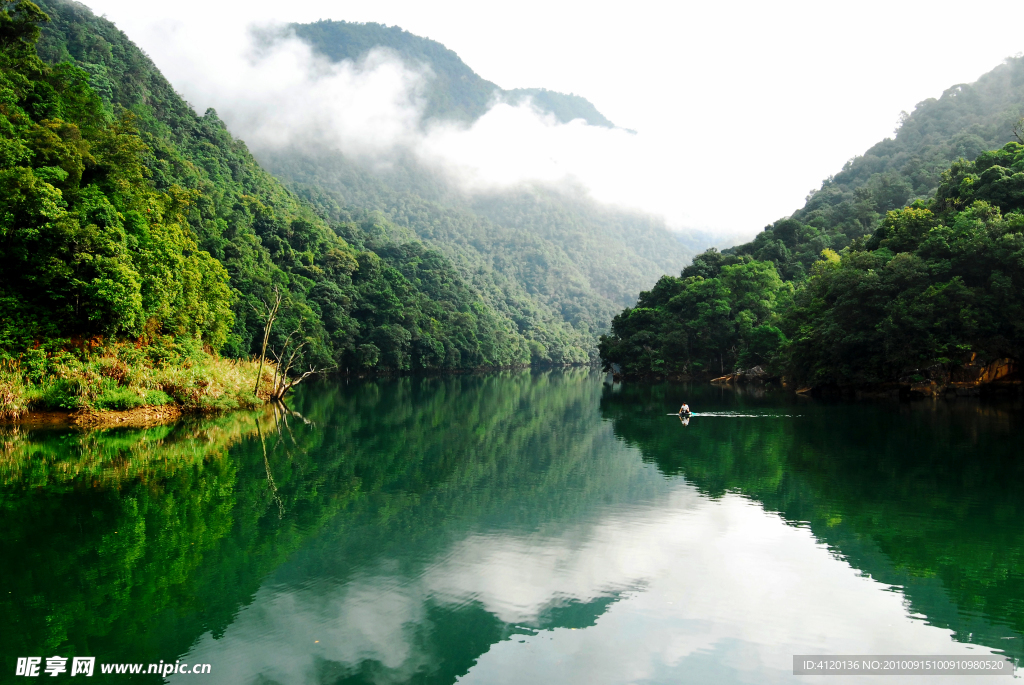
(741, 108)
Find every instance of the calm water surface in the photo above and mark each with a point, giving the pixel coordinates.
(518, 528)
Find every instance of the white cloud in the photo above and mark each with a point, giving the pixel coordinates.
(282, 95)
(741, 107)
(510, 145)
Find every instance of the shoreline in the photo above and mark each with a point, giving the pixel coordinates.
(129, 418)
(1001, 377)
(152, 415)
(893, 390)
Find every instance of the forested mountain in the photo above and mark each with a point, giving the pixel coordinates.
(858, 287)
(125, 214)
(89, 246)
(555, 262)
(455, 91)
(965, 121)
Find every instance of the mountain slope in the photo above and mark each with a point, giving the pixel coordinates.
(355, 295)
(904, 269)
(555, 262)
(965, 121)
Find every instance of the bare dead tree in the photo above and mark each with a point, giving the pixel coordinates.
(269, 313)
(284, 386)
(270, 476)
(277, 369)
(285, 409)
(281, 411)
(1018, 130)
(283, 382)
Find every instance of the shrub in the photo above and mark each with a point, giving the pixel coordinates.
(13, 402)
(118, 399)
(156, 398)
(34, 364)
(57, 394)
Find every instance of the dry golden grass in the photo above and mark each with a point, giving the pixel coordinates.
(122, 376)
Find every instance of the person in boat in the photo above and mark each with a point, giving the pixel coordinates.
(684, 410)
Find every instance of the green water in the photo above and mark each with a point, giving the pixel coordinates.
(517, 528)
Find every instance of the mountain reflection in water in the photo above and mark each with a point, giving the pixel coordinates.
(518, 527)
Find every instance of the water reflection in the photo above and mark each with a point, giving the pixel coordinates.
(518, 527)
(920, 496)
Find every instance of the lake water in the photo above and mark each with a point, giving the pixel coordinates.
(526, 527)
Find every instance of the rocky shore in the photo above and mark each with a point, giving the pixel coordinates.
(974, 378)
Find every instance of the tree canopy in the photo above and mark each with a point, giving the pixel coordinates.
(554, 263)
(88, 246)
(907, 258)
(937, 283)
(126, 214)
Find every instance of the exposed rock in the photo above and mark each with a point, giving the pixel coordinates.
(756, 374)
(968, 379)
(972, 378)
(928, 388)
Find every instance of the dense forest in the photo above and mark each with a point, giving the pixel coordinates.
(378, 272)
(907, 261)
(965, 121)
(89, 246)
(554, 262)
(125, 216)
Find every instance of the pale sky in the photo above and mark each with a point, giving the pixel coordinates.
(741, 108)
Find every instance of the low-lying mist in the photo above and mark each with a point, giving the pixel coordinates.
(277, 95)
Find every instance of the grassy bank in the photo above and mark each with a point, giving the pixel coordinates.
(97, 376)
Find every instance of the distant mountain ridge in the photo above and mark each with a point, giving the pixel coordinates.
(428, 275)
(554, 261)
(456, 91)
